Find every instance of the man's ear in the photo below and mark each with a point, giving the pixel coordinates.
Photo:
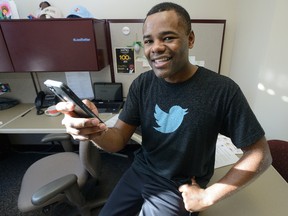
(191, 39)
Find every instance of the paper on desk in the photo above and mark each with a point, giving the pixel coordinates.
(225, 155)
(227, 141)
(111, 122)
(80, 83)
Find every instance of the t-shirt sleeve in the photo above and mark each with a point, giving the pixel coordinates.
(240, 123)
(130, 112)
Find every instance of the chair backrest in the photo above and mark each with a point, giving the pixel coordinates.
(279, 152)
(90, 157)
(88, 152)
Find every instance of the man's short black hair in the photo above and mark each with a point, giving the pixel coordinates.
(180, 11)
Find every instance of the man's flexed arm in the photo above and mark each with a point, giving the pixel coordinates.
(255, 160)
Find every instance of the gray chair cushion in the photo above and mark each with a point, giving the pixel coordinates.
(46, 170)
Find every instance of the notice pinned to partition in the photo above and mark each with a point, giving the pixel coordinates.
(80, 83)
(125, 60)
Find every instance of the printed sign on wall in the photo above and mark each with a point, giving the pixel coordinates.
(125, 60)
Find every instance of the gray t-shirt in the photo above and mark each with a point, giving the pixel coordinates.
(180, 123)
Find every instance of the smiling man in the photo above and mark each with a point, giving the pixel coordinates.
(167, 40)
(181, 109)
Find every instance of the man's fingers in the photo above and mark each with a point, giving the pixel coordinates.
(186, 187)
(66, 108)
(193, 182)
(91, 106)
(81, 122)
(183, 188)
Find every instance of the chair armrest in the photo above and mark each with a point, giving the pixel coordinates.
(55, 137)
(55, 187)
(63, 138)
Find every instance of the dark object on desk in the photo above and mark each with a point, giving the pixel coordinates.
(44, 100)
(6, 103)
(108, 97)
(279, 152)
(60, 176)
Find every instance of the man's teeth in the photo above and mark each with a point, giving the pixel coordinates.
(162, 60)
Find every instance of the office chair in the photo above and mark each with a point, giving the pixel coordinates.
(60, 177)
(279, 152)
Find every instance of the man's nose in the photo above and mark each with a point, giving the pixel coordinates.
(158, 46)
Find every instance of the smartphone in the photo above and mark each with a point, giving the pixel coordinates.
(64, 93)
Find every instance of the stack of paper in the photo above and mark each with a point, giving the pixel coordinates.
(225, 152)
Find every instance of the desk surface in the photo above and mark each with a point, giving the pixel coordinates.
(33, 123)
(266, 196)
(9, 115)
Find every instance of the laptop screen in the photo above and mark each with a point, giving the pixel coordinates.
(108, 91)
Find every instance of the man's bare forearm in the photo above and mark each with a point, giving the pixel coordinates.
(255, 161)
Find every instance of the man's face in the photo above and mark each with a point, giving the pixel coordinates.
(166, 45)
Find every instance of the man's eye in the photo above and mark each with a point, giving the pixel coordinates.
(168, 39)
(147, 41)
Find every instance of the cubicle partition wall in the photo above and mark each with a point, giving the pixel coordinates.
(125, 33)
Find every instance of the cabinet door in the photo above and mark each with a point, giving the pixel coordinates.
(52, 45)
(5, 62)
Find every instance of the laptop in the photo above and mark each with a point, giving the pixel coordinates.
(108, 97)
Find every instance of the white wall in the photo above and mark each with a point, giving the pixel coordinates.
(260, 57)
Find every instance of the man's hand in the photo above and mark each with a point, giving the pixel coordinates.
(80, 128)
(195, 198)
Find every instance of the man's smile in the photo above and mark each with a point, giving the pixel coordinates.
(160, 62)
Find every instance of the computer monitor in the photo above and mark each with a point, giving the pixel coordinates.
(104, 91)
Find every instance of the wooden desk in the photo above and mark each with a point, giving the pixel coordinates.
(267, 196)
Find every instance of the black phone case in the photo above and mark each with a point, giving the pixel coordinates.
(64, 93)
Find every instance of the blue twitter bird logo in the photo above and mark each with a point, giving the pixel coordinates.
(169, 122)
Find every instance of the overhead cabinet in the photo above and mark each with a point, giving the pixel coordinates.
(56, 44)
(5, 62)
